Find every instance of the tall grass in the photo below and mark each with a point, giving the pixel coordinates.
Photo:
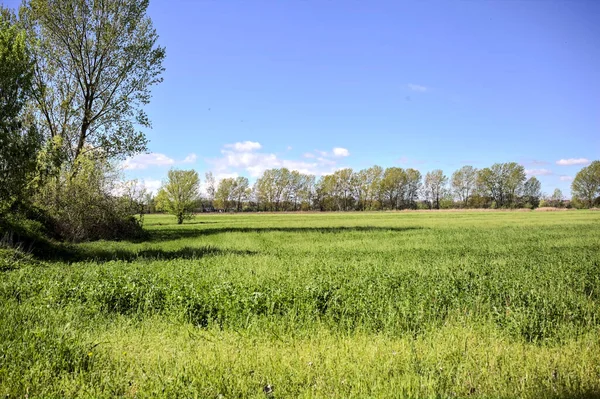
(325, 305)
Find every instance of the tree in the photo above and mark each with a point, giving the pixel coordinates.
(211, 187)
(232, 193)
(343, 187)
(178, 195)
(95, 62)
(413, 186)
(264, 189)
(435, 187)
(513, 177)
(393, 185)
(532, 191)
(586, 185)
(136, 197)
(557, 198)
(463, 183)
(19, 143)
(503, 182)
(294, 186)
(307, 191)
(224, 198)
(367, 184)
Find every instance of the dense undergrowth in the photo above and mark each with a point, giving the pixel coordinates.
(379, 305)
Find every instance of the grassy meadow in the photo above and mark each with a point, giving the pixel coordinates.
(407, 304)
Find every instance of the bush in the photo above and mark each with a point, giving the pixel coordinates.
(83, 205)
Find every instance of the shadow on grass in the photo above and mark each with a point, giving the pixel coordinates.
(100, 255)
(166, 234)
(69, 253)
(52, 251)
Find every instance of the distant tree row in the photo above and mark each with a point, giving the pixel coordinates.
(502, 185)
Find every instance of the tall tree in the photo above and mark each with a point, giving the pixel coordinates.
(241, 191)
(367, 183)
(532, 191)
(557, 198)
(307, 191)
(295, 185)
(343, 187)
(224, 197)
(326, 194)
(503, 182)
(19, 143)
(179, 194)
(463, 183)
(95, 62)
(281, 181)
(435, 187)
(513, 177)
(360, 186)
(211, 187)
(265, 190)
(393, 184)
(586, 185)
(413, 186)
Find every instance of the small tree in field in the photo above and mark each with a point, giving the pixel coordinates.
(179, 194)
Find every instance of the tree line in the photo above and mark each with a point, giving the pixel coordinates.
(502, 185)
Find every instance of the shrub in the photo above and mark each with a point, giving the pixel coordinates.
(83, 205)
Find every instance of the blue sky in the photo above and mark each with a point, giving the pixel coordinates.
(428, 84)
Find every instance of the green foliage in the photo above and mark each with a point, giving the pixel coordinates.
(19, 141)
(179, 195)
(503, 183)
(532, 192)
(95, 64)
(586, 185)
(232, 193)
(435, 187)
(83, 205)
(464, 182)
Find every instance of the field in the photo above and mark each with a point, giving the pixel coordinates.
(456, 304)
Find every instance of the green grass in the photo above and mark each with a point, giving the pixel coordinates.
(438, 304)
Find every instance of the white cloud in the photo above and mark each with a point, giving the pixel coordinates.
(142, 161)
(566, 178)
(136, 186)
(419, 88)
(245, 146)
(336, 152)
(289, 147)
(326, 161)
(190, 158)
(242, 156)
(573, 161)
(151, 185)
(340, 152)
(538, 172)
